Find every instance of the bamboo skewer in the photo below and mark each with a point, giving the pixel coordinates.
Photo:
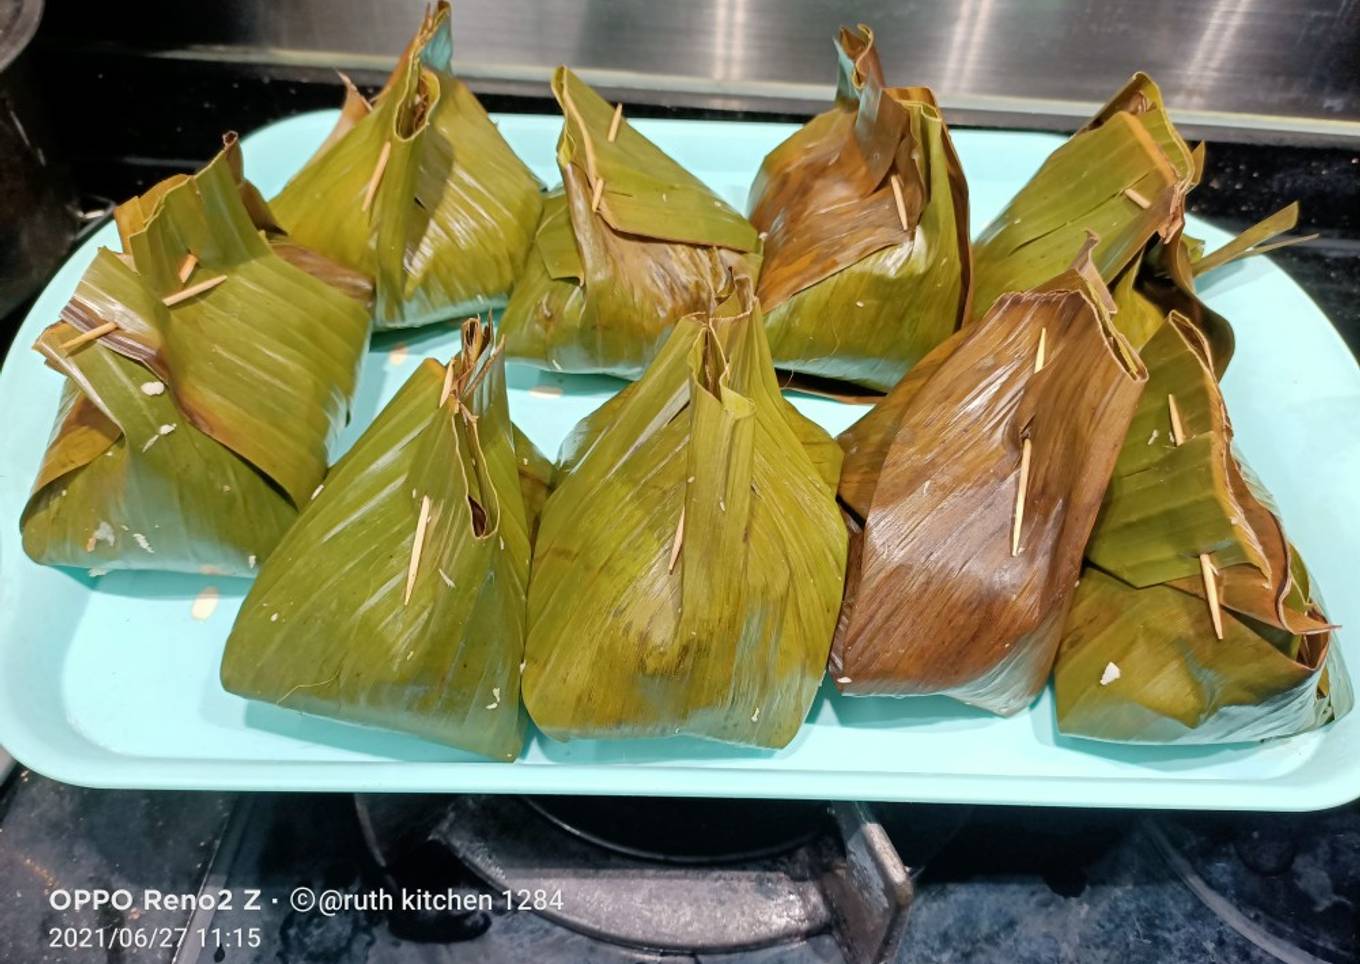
(171, 300)
(1206, 565)
(416, 548)
(614, 123)
(900, 201)
(84, 338)
(375, 178)
(1025, 450)
(187, 266)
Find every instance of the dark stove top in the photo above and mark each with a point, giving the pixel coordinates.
(998, 884)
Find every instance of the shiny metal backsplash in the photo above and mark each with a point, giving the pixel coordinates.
(1289, 67)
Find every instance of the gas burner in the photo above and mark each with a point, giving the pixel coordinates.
(687, 831)
(698, 876)
(1289, 883)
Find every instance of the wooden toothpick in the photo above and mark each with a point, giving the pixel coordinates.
(416, 548)
(614, 123)
(375, 178)
(1177, 429)
(1207, 571)
(1039, 355)
(184, 295)
(84, 338)
(1137, 198)
(447, 390)
(1206, 568)
(1020, 491)
(900, 200)
(187, 266)
(596, 194)
(679, 540)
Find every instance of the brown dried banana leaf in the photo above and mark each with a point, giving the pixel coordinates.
(865, 210)
(1163, 280)
(991, 464)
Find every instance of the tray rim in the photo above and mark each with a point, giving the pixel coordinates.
(95, 766)
(675, 780)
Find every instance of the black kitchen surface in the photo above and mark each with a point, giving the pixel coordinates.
(122, 145)
(997, 884)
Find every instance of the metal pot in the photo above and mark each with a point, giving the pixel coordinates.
(38, 217)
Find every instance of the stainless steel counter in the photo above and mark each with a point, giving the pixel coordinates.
(1287, 67)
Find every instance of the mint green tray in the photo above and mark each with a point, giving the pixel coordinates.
(113, 681)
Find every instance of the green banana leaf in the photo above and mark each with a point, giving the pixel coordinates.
(339, 622)
(607, 281)
(550, 291)
(1168, 501)
(1142, 659)
(1260, 238)
(1017, 417)
(189, 434)
(853, 289)
(131, 217)
(1168, 679)
(1124, 176)
(449, 225)
(536, 476)
(689, 563)
(1137, 316)
(1163, 279)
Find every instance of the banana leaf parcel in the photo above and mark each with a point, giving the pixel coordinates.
(397, 600)
(206, 377)
(419, 191)
(865, 211)
(1124, 176)
(1195, 622)
(633, 243)
(972, 489)
(689, 563)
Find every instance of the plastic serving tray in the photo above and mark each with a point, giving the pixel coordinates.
(113, 681)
